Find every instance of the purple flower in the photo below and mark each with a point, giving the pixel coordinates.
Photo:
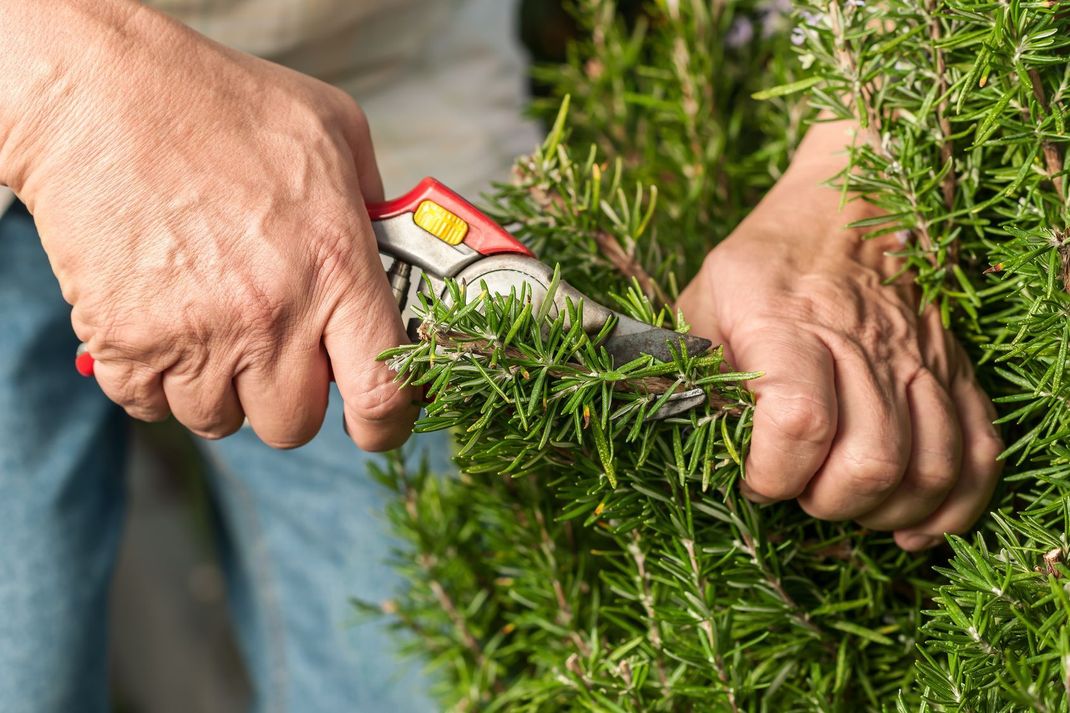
(740, 33)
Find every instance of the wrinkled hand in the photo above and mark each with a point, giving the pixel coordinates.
(866, 410)
(204, 213)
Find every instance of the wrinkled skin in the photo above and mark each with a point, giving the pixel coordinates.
(204, 213)
(866, 410)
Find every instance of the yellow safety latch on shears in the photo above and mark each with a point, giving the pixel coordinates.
(441, 223)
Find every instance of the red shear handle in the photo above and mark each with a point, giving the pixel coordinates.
(83, 361)
(462, 219)
(480, 232)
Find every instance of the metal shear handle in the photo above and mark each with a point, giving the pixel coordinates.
(431, 228)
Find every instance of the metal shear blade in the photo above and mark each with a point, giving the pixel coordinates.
(629, 339)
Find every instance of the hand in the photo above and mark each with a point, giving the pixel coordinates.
(204, 213)
(866, 411)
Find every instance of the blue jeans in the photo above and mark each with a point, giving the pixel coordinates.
(303, 531)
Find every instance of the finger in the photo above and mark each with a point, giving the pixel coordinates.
(869, 456)
(285, 396)
(795, 415)
(379, 412)
(136, 388)
(207, 406)
(967, 501)
(130, 383)
(941, 354)
(935, 459)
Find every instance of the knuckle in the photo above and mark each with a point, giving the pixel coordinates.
(821, 289)
(81, 324)
(205, 416)
(330, 108)
(829, 300)
(934, 474)
(333, 256)
(384, 403)
(718, 259)
(870, 335)
(802, 418)
(316, 107)
(132, 387)
(137, 341)
(265, 307)
(876, 475)
(351, 110)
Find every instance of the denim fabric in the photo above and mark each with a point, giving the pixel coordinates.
(61, 455)
(302, 532)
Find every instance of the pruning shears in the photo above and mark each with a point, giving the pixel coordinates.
(437, 232)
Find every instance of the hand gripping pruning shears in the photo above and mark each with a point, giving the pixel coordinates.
(443, 236)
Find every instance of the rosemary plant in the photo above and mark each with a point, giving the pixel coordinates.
(587, 558)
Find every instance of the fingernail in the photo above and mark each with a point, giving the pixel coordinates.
(916, 542)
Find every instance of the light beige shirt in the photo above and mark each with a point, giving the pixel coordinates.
(443, 82)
